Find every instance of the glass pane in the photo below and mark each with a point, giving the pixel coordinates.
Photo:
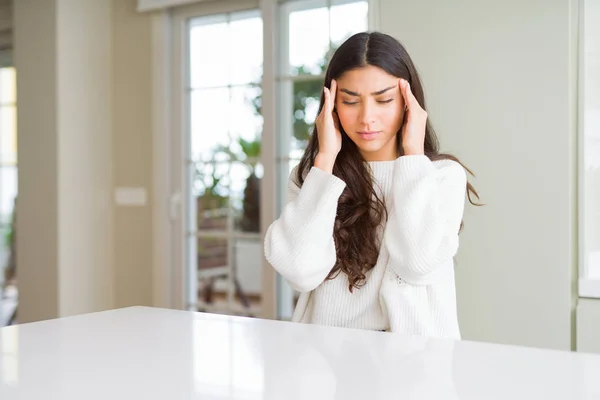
(292, 164)
(8, 192)
(212, 264)
(8, 85)
(212, 253)
(239, 173)
(248, 270)
(286, 297)
(307, 47)
(211, 191)
(245, 197)
(5, 275)
(210, 121)
(8, 135)
(307, 96)
(591, 143)
(285, 169)
(348, 19)
(224, 173)
(209, 65)
(246, 127)
(245, 50)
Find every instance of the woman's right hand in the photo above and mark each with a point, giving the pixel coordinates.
(327, 123)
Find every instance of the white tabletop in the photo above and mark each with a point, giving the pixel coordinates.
(146, 353)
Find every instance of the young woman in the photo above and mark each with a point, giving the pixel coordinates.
(371, 225)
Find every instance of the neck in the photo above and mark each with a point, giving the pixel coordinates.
(388, 152)
(375, 157)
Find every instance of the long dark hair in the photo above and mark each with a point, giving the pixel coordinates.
(360, 210)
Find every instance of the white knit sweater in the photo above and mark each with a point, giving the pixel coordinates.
(411, 289)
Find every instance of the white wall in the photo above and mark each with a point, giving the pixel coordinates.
(84, 162)
(37, 121)
(132, 151)
(64, 224)
(588, 325)
(85, 127)
(500, 87)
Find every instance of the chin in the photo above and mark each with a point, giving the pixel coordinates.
(369, 148)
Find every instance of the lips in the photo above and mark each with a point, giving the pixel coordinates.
(368, 135)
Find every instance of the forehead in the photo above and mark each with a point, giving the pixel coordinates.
(366, 79)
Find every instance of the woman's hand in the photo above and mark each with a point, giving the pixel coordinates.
(415, 121)
(330, 137)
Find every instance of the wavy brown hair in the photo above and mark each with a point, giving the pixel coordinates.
(360, 210)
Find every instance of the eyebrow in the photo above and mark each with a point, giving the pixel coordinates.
(351, 93)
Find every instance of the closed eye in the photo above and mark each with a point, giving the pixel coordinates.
(350, 103)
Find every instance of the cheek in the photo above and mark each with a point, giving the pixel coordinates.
(347, 118)
(392, 118)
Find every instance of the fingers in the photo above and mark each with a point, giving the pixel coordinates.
(329, 104)
(336, 121)
(333, 93)
(327, 99)
(409, 99)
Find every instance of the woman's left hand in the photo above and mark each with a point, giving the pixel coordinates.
(415, 121)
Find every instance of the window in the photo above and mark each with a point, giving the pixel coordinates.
(223, 171)
(304, 54)
(589, 283)
(8, 186)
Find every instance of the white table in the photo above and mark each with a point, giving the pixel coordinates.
(145, 353)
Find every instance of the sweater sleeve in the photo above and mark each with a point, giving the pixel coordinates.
(422, 230)
(299, 244)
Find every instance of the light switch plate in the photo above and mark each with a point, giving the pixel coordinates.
(131, 196)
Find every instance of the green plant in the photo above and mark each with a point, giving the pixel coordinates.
(8, 236)
(250, 220)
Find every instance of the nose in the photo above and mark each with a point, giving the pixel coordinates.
(367, 113)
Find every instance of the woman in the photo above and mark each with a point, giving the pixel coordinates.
(371, 225)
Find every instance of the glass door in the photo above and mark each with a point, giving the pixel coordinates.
(221, 162)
